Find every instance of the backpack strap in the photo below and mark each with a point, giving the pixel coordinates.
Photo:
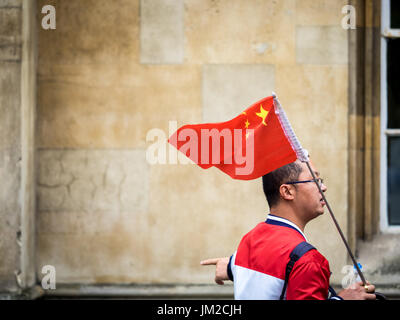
(296, 254)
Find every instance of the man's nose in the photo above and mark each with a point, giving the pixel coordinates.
(324, 187)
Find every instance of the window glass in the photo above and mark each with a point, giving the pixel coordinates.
(393, 83)
(394, 180)
(395, 14)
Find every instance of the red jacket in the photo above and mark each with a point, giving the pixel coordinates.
(258, 267)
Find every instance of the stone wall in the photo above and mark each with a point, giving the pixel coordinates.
(17, 149)
(113, 70)
(10, 140)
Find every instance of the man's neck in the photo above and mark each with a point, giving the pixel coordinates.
(286, 213)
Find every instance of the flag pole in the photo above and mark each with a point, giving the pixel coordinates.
(303, 157)
(337, 226)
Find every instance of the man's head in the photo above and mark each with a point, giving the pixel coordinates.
(302, 197)
(273, 180)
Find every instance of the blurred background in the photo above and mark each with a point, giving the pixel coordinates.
(81, 87)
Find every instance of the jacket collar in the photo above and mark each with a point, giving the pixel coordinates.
(279, 221)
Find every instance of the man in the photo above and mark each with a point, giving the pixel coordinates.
(258, 266)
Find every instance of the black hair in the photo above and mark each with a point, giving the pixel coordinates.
(273, 180)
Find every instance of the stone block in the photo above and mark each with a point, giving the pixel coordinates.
(9, 216)
(230, 89)
(92, 212)
(315, 100)
(10, 3)
(10, 173)
(10, 33)
(321, 45)
(94, 181)
(113, 106)
(99, 258)
(10, 24)
(10, 53)
(10, 87)
(380, 259)
(239, 32)
(90, 31)
(319, 12)
(161, 32)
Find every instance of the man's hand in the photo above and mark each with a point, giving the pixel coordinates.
(358, 291)
(221, 265)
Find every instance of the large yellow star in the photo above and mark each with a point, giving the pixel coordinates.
(262, 114)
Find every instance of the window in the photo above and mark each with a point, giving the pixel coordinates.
(390, 116)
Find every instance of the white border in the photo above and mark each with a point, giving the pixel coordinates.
(385, 30)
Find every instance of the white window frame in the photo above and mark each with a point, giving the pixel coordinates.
(386, 33)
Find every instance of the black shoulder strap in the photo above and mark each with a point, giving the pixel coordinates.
(295, 255)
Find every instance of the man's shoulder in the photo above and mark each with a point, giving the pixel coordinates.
(314, 257)
(273, 234)
(266, 240)
(267, 252)
(260, 228)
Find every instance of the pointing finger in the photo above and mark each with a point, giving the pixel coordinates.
(209, 262)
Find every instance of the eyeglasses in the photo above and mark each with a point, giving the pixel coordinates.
(319, 180)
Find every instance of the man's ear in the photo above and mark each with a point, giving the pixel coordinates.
(287, 191)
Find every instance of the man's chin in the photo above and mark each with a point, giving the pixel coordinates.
(322, 211)
(317, 214)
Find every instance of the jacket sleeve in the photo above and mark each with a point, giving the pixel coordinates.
(229, 269)
(309, 280)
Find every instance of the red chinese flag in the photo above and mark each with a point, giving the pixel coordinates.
(247, 147)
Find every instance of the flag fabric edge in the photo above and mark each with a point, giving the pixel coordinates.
(301, 153)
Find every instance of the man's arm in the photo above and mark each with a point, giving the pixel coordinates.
(358, 291)
(309, 281)
(305, 283)
(221, 268)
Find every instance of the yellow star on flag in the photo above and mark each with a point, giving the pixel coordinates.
(262, 114)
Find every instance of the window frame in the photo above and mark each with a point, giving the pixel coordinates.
(386, 33)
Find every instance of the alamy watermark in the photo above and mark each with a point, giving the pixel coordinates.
(49, 20)
(351, 276)
(209, 146)
(49, 278)
(349, 20)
